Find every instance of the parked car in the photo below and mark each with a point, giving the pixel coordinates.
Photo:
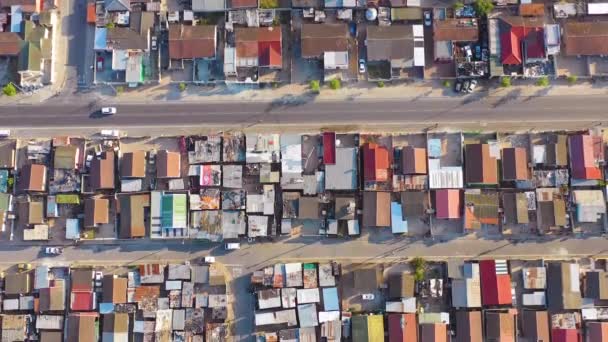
(108, 110)
(362, 66)
(98, 277)
(209, 259)
(232, 245)
(99, 63)
(458, 86)
(428, 18)
(154, 43)
(367, 296)
(465, 86)
(472, 86)
(53, 250)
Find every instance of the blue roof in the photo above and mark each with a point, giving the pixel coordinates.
(330, 299)
(398, 225)
(106, 308)
(3, 180)
(101, 35)
(434, 148)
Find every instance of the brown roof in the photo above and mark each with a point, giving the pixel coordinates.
(168, 164)
(32, 178)
(532, 10)
(586, 38)
(188, 42)
(82, 279)
(102, 171)
(133, 165)
(320, 38)
(10, 44)
(535, 325)
(124, 38)
(115, 323)
(515, 164)
(376, 209)
(457, 30)
(7, 153)
(96, 212)
(433, 332)
(401, 285)
(413, 160)
(53, 298)
(81, 328)
(27, 5)
(243, 4)
(132, 221)
(500, 326)
(35, 212)
(265, 43)
(597, 331)
(51, 336)
(17, 283)
(114, 289)
(468, 326)
(480, 167)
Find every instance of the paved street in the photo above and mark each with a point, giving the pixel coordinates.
(448, 113)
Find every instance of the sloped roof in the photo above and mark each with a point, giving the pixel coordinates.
(117, 5)
(585, 38)
(583, 156)
(376, 162)
(32, 178)
(114, 289)
(495, 288)
(80, 327)
(133, 164)
(132, 220)
(168, 164)
(563, 289)
(448, 204)
(262, 42)
(188, 41)
(456, 30)
(468, 326)
(319, 38)
(500, 326)
(536, 325)
(123, 38)
(96, 212)
(515, 163)
(102, 171)
(10, 44)
(597, 331)
(376, 209)
(480, 166)
(390, 42)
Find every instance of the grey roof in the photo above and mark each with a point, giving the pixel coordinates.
(122, 38)
(208, 5)
(141, 21)
(390, 43)
(118, 5)
(343, 174)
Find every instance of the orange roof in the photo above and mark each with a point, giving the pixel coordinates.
(376, 162)
(91, 16)
(532, 10)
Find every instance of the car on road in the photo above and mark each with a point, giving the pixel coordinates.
(53, 250)
(232, 245)
(428, 18)
(209, 259)
(362, 66)
(108, 110)
(368, 296)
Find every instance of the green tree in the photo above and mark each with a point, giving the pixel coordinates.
(419, 265)
(120, 90)
(483, 7)
(543, 81)
(446, 83)
(335, 84)
(505, 82)
(380, 84)
(110, 25)
(458, 5)
(266, 4)
(9, 90)
(182, 86)
(315, 86)
(572, 79)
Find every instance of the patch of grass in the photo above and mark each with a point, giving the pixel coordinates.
(543, 81)
(110, 25)
(458, 5)
(572, 79)
(182, 86)
(483, 7)
(335, 84)
(266, 4)
(315, 86)
(381, 84)
(446, 83)
(505, 82)
(119, 90)
(9, 89)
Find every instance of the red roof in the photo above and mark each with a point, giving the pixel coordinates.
(447, 203)
(263, 42)
(375, 162)
(582, 157)
(495, 288)
(269, 53)
(402, 328)
(82, 301)
(565, 335)
(511, 43)
(329, 148)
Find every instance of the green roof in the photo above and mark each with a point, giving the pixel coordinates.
(4, 201)
(67, 199)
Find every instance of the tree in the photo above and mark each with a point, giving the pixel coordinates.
(315, 86)
(110, 25)
(335, 84)
(419, 266)
(543, 81)
(120, 90)
(182, 86)
(9, 90)
(483, 7)
(572, 79)
(446, 83)
(458, 5)
(380, 84)
(505, 82)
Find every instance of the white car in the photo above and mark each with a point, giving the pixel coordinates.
(53, 250)
(232, 245)
(362, 66)
(209, 259)
(108, 110)
(368, 296)
(428, 18)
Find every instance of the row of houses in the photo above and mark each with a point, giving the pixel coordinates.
(485, 300)
(153, 302)
(233, 185)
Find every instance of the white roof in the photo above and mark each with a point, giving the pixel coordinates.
(419, 56)
(306, 296)
(446, 178)
(328, 316)
(119, 60)
(597, 8)
(335, 59)
(534, 299)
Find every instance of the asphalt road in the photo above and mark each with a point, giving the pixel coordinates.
(303, 112)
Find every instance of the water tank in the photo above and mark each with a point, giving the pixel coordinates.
(371, 14)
